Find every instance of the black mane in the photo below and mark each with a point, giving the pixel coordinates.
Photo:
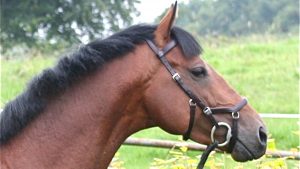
(53, 81)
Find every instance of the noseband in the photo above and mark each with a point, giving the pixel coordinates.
(231, 136)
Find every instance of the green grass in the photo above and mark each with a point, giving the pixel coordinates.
(16, 73)
(264, 70)
(223, 161)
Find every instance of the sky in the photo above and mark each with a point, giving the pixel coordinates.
(150, 9)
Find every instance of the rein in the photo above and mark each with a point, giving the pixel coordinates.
(194, 102)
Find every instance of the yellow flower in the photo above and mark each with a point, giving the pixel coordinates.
(184, 149)
(271, 144)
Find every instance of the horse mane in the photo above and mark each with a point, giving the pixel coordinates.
(69, 69)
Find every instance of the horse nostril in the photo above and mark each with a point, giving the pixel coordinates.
(262, 136)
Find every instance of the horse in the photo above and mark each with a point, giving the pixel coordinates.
(78, 113)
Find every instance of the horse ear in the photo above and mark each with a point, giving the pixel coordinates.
(163, 30)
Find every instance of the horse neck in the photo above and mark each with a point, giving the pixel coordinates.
(85, 126)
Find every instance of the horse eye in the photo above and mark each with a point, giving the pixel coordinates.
(199, 72)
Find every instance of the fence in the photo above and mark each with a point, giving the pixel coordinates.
(280, 116)
(195, 146)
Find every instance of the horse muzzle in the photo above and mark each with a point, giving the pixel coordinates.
(247, 149)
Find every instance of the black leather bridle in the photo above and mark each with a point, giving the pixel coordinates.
(231, 136)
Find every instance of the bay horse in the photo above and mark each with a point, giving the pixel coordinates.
(78, 113)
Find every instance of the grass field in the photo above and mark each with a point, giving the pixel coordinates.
(266, 70)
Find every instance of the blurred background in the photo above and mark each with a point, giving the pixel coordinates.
(254, 44)
(36, 23)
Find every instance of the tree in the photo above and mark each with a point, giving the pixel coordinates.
(239, 17)
(32, 22)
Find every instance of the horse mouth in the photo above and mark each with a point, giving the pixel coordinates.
(242, 153)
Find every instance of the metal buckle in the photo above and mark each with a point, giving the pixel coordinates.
(192, 103)
(176, 76)
(160, 53)
(207, 111)
(235, 115)
(228, 135)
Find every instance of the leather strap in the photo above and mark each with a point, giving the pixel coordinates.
(235, 108)
(187, 134)
(234, 134)
(161, 53)
(206, 153)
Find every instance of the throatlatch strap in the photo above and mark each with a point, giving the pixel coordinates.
(187, 134)
(206, 153)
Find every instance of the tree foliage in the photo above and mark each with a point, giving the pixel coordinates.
(239, 17)
(31, 22)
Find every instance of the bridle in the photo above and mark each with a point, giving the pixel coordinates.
(231, 136)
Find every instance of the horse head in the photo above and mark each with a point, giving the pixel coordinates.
(197, 87)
